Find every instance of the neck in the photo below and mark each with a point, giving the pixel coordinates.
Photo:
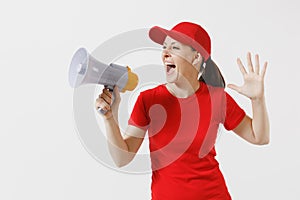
(183, 90)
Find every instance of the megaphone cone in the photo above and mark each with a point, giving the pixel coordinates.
(85, 69)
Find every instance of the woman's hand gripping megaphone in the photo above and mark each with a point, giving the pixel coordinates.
(108, 102)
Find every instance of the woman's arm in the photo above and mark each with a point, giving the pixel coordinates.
(122, 149)
(257, 129)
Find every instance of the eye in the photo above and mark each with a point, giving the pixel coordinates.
(177, 48)
(164, 47)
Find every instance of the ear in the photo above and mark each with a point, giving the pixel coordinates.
(197, 61)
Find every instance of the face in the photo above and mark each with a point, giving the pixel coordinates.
(180, 61)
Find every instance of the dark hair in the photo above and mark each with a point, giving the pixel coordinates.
(212, 74)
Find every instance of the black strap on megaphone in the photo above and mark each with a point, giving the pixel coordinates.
(111, 90)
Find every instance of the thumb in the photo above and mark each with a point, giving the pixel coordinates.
(234, 87)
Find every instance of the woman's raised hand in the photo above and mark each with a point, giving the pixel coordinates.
(253, 86)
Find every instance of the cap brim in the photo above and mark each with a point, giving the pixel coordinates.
(158, 35)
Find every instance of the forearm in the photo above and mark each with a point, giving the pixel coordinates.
(260, 121)
(117, 146)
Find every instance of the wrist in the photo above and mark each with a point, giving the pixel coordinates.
(258, 99)
(111, 118)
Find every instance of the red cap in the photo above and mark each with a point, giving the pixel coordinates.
(187, 33)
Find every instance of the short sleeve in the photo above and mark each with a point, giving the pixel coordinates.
(139, 115)
(233, 113)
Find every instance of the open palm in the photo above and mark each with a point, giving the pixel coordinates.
(253, 86)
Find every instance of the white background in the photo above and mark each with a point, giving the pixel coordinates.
(41, 154)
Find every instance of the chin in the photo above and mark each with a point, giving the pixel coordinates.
(171, 79)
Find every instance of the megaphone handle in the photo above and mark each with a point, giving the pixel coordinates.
(111, 90)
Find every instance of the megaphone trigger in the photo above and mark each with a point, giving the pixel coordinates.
(109, 87)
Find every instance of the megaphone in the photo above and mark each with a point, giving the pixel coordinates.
(85, 69)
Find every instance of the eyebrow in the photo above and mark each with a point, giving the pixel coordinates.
(171, 43)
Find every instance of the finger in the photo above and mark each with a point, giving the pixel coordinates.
(107, 92)
(257, 68)
(100, 103)
(106, 98)
(234, 87)
(264, 69)
(250, 66)
(241, 66)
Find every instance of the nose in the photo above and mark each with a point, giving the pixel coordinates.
(166, 53)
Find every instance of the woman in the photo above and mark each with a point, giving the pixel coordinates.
(183, 115)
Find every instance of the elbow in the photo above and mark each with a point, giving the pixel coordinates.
(263, 141)
(263, 138)
(120, 164)
(120, 157)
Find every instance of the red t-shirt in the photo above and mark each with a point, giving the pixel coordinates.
(182, 134)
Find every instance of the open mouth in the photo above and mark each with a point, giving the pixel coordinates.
(170, 68)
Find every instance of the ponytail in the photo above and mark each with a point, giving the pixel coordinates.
(212, 75)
